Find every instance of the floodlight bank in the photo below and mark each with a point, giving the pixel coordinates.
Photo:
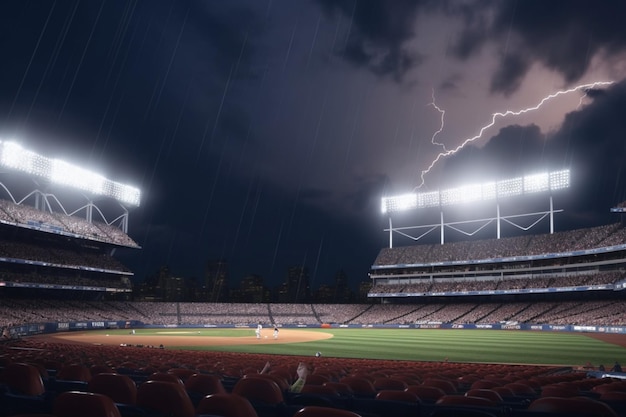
(13, 156)
(530, 184)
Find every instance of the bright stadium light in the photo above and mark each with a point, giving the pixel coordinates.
(559, 179)
(465, 194)
(537, 183)
(430, 199)
(66, 174)
(529, 184)
(13, 156)
(509, 188)
(399, 203)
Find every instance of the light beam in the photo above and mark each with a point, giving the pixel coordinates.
(495, 117)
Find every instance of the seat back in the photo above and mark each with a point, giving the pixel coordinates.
(395, 395)
(164, 376)
(464, 400)
(426, 393)
(278, 379)
(320, 390)
(360, 386)
(484, 384)
(166, 398)
(226, 405)
(447, 386)
(485, 393)
(81, 404)
(520, 389)
(340, 387)
(182, 373)
(74, 372)
(573, 406)
(259, 390)
(385, 383)
(316, 379)
(120, 388)
(204, 384)
(559, 391)
(317, 411)
(23, 379)
(100, 369)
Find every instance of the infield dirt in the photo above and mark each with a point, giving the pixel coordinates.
(185, 338)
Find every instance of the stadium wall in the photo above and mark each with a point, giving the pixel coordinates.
(46, 328)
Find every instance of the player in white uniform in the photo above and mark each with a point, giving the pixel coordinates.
(259, 327)
(275, 332)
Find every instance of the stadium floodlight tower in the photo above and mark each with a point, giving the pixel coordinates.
(489, 191)
(14, 157)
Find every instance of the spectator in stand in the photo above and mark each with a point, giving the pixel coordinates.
(616, 367)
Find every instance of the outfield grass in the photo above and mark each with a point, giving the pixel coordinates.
(493, 346)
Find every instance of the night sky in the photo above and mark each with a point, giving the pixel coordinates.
(265, 132)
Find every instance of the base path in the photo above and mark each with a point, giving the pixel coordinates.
(174, 338)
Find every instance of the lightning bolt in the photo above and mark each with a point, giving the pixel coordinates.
(443, 114)
(582, 98)
(495, 117)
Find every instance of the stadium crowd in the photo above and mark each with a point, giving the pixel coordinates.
(605, 313)
(63, 256)
(526, 245)
(443, 285)
(28, 216)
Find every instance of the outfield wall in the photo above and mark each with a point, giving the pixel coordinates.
(44, 328)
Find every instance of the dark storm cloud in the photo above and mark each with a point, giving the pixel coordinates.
(562, 35)
(565, 35)
(510, 74)
(378, 31)
(511, 152)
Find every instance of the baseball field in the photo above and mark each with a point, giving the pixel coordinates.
(486, 346)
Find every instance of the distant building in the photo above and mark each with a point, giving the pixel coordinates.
(251, 290)
(296, 289)
(337, 293)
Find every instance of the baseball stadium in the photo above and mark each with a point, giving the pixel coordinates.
(467, 314)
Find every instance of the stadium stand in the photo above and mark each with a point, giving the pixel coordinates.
(567, 278)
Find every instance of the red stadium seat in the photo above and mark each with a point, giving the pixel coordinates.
(319, 389)
(23, 379)
(81, 404)
(395, 395)
(315, 379)
(360, 386)
(340, 387)
(316, 411)
(181, 373)
(164, 376)
(259, 390)
(74, 372)
(204, 384)
(446, 385)
(164, 397)
(120, 388)
(279, 380)
(464, 400)
(572, 406)
(485, 393)
(426, 393)
(226, 405)
(389, 384)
